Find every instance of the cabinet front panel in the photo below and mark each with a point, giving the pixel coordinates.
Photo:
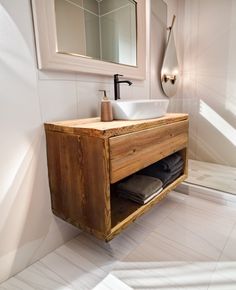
(132, 152)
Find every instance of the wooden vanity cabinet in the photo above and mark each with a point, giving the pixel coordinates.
(87, 157)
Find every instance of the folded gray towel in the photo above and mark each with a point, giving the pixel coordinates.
(157, 167)
(134, 197)
(170, 161)
(141, 185)
(171, 179)
(176, 167)
(164, 176)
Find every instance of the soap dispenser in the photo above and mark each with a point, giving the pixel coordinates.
(106, 108)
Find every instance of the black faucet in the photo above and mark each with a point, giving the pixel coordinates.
(117, 83)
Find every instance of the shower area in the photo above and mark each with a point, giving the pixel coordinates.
(207, 89)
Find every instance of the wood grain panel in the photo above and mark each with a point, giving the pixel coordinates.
(94, 127)
(132, 152)
(65, 175)
(79, 181)
(97, 186)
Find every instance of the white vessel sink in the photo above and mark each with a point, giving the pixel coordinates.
(139, 109)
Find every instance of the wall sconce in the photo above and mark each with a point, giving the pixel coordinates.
(171, 78)
(170, 68)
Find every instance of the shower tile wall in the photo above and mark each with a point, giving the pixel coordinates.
(209, 78)
(110, 5)
(118, 32)
(92, 35)
(66, 28)
(79, 18)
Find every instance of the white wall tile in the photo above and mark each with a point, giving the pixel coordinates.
(58, 100)
(58, 76)
(58, 233)
(126, 91)
(91, 78)
(140, 92)
(89, 98)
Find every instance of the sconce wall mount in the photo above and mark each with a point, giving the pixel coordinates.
(171, 78)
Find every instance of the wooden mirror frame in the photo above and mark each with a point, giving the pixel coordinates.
(49, 58)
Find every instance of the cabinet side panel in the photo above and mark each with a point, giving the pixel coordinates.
(65, 175)
(77, 196)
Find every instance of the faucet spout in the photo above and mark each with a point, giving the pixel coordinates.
(117, 83)
(127, 82)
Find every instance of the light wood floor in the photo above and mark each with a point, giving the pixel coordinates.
(182, 243)
(215, 176)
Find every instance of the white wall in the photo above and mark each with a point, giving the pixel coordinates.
(158, 36)
(28, 230)
(162, 12)
(174, 7)
(209, 78)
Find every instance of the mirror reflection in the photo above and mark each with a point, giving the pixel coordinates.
(99, 29)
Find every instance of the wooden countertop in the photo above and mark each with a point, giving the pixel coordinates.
(94, 127)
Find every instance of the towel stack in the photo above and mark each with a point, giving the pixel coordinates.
(167, 169)
(140, 188)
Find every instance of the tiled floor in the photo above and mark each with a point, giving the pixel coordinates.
(183, 243)
(212, 175)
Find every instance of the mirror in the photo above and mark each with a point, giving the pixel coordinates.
(92, 36)
(104, 30)
(170, 67)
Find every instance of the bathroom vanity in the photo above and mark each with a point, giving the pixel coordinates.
(86, 158)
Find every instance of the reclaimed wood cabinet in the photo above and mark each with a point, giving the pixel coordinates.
(86, 158)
